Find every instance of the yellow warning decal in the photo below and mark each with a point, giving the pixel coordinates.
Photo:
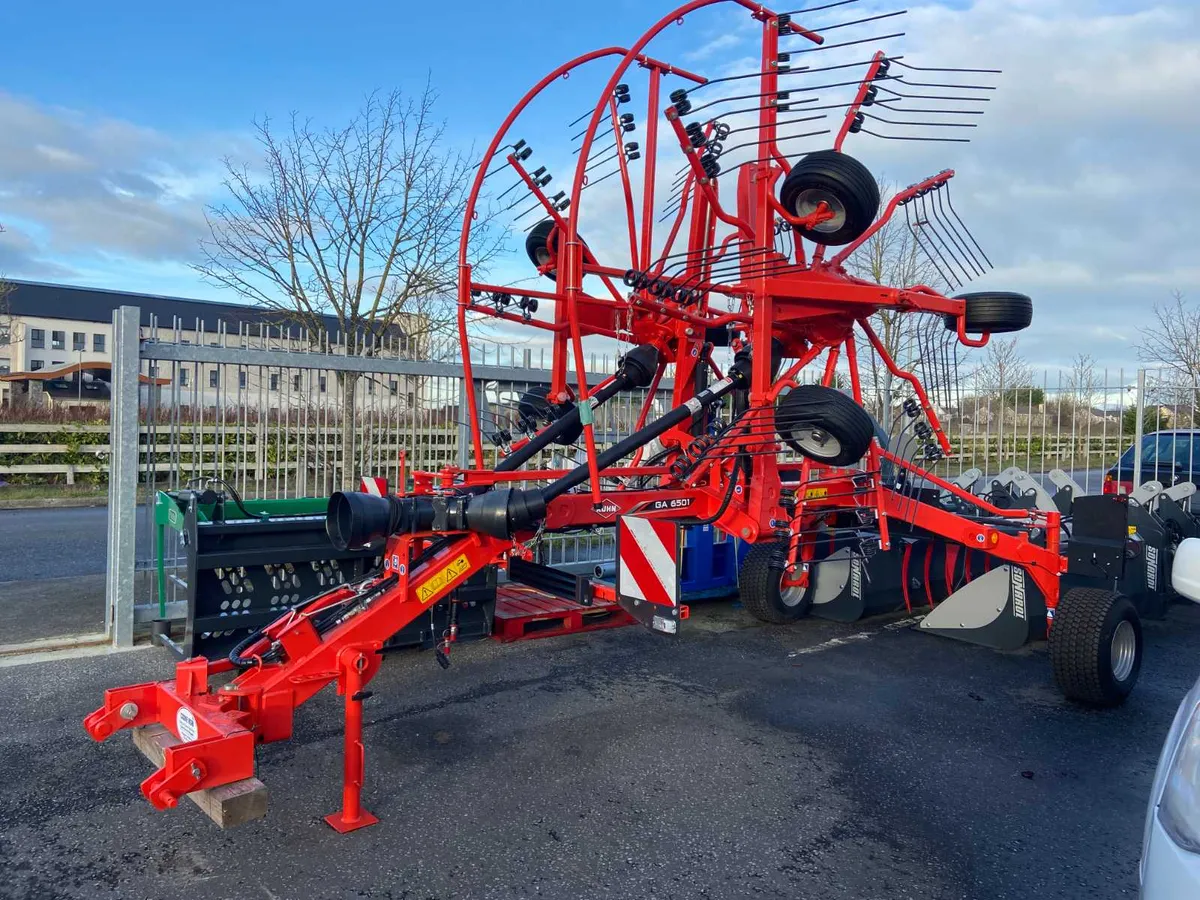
(439, 580)
(816, 493)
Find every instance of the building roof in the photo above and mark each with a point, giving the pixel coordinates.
(101, 372)
(84, 304)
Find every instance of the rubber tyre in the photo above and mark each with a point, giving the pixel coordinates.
(536, 240)
(994, 312)
(759, 585)
(831, 411)
(845, 178)
(1081, 646)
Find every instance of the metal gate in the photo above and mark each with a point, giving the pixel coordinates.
(280, 413)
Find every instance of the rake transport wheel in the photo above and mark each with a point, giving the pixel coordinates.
(541, 249)
(824, 424)
(1095, 646)
(994, 312)
(841, 182)
(761, 587)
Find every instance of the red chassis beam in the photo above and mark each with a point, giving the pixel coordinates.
(219, 727)
(837, 491)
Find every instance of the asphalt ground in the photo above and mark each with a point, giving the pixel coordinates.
(738, 760)
(52, 564)
(52, 543)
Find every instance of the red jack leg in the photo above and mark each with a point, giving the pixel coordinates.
(353, 816)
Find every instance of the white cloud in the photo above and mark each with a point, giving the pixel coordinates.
(711, 48)
(89, 188)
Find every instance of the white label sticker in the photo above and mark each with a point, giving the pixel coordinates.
(1018, 592)
(185, 724)
(694, 405)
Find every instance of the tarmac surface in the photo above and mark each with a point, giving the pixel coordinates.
(818, 761)
(52, 565)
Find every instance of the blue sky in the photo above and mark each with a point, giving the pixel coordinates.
(1081, 180)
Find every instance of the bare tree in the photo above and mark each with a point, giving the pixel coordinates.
(1080, 386)
(1003, 369)
(1172, 341)
(359, 223)
(1173, 337)
(1083, 381)
(892, 256)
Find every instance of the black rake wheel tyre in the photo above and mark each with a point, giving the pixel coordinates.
(844, 183)
(760, 586)
(824, 424)
(1095, 646)
(541, 247)
(994, 312)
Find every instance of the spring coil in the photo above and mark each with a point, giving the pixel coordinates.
(691, 455)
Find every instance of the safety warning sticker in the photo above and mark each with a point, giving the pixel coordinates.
(439, 580)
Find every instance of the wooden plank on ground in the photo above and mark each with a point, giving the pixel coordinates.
(229, 804)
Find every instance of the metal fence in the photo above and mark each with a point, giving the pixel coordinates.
(277, 415)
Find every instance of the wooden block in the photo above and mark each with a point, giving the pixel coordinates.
(227, 804)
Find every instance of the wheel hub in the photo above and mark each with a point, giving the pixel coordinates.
(808, 202)
(1123, 653)
(792, 595)
(818, 442)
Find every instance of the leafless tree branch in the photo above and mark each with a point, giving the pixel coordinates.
(892, 256)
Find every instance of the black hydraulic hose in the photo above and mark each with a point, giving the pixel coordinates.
(738, 378)
(734, 477)
(637, 371)
(544, 438)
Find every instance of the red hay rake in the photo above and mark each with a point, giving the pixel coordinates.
(731, 284)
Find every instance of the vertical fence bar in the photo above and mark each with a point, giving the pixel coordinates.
(1139, 403)
(122, 479)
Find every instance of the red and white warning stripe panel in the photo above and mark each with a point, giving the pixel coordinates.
(648, 560)
(376, 487)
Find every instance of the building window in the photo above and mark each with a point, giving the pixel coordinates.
(37, 338)
(274, 381)
(78, 341)
(394, 387)
(214, 378)
(184, 377)
(5, 335)
(5, 368)
(97, 343)
(241, 381)
(295, 382)
(322, 384)
(35, 364)
(58, 340)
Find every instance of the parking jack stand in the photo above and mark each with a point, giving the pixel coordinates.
(352, 816)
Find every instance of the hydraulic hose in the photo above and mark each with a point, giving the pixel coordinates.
(738, 378)
(637, 370)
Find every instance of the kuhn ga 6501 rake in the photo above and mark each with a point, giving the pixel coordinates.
(723, 284)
